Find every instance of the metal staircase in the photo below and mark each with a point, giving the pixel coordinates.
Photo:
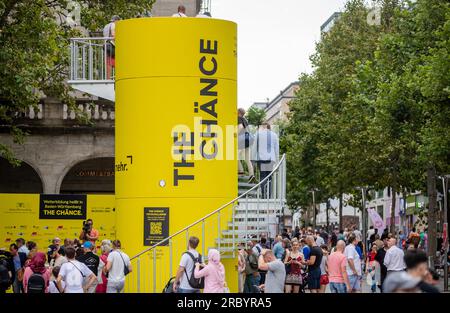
(252, 215)
(254, 212)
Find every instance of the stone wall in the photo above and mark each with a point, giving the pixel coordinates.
(56, 144)
(169, 7)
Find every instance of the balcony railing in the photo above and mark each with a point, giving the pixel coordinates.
(89, 60)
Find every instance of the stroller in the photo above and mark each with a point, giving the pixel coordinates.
(304, 283)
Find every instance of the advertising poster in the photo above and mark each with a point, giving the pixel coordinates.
(156, 226)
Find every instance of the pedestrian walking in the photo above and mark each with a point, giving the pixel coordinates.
(118, 266)
(213, 272)
(185, 282)
(354, 269)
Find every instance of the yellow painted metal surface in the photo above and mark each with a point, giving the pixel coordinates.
(175, 132)
(19, 218)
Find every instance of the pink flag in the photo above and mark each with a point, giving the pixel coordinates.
(377, 221)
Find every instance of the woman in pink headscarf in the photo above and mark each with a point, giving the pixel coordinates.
(214, 273)
(37, 266)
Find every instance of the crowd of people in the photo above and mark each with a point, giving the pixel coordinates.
(72, 267)
(305, 260)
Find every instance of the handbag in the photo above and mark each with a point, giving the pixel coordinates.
(20, 273)
(324, 279)
(126, 270)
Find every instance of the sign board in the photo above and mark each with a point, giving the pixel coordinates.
(71, 207)
(445, 234)
(156, 226)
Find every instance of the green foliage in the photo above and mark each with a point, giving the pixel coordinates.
(34, 53)
(375, 111)
(255, 116)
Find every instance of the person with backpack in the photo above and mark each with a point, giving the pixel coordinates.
(36, 275)
(118, 266)
(19, 259)
(185, 281)
(252, 275)
(73, 274)
(6, 270)
(214, 273)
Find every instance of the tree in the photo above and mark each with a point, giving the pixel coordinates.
(34, 54)
(255, 116)
(326, 139)
(375, 111)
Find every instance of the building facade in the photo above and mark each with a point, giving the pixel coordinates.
(276, 110)
(62, 154)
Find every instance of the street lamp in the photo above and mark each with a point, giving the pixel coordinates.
(445, 229)
(363, 214)
(314, 206)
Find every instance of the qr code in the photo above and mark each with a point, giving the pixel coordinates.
(155, 228)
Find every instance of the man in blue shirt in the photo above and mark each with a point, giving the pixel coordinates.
(278, 248)
(305, 250)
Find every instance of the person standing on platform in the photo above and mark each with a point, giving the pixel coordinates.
(245, 141)
(181, 12)
(267, 153)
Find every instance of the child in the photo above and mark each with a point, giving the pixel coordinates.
(52, 287)
(370, 268)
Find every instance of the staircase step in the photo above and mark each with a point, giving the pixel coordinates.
(246, 185)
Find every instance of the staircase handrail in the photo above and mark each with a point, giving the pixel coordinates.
(213, 212)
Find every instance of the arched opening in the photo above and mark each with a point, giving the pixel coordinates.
(93, 176)
(20, 179)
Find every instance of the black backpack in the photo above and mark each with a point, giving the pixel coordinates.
(36, 283)
(5, 280)
(196, 283)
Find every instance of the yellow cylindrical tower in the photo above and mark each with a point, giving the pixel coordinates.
(175, 137)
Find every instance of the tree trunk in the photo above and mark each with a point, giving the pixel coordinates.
(314, 212)
(394, 199)
(432, 205)
(340, 210)
(307, 221)
(327, 210)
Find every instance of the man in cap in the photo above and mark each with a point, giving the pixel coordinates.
(91, 260)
